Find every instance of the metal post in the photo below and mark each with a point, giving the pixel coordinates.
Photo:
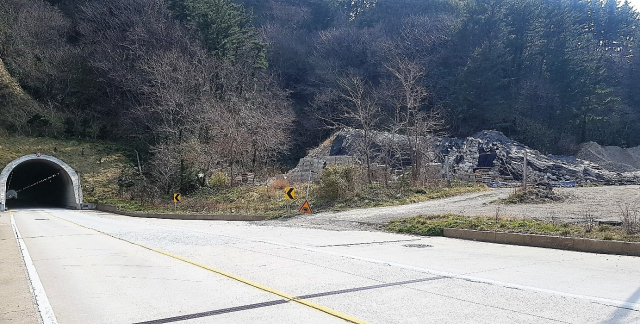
(308, 183)
(524, 171)
(139, 165)
(446, 168)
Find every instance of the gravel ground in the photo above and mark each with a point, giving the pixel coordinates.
(602, 203)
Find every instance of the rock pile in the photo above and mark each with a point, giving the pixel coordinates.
(490, 153)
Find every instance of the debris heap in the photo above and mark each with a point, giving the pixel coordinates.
(489, 156)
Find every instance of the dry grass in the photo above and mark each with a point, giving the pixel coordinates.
(630, 219)
(532, 195)
(279, 184)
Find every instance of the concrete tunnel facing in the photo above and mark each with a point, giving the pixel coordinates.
(39, 180)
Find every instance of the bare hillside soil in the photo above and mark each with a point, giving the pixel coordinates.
(600, 203)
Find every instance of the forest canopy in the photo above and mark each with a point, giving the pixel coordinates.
(244, 86)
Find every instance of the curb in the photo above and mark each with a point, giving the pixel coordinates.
(114, 210)
(545, 241)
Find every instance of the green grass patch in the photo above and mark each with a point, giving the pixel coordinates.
(435, 225)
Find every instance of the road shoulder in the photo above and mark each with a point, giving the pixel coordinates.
(16, 302)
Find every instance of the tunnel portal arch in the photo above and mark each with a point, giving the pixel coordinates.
(34, 165)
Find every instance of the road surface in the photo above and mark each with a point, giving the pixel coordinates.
(599, 203)
(102, 268)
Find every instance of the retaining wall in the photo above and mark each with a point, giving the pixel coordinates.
(552, 242)
(114, 210)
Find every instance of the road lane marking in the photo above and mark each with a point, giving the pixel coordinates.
(37, 289)
(287, 297)
(458, 276)
(598, 300)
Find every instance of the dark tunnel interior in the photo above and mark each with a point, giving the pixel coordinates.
(39, 183)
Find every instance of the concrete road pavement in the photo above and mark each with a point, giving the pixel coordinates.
(16, 303)
(103, 268)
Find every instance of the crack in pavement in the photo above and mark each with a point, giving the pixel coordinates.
(368, 243)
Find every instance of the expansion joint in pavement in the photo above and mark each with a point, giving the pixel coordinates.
(287, 297)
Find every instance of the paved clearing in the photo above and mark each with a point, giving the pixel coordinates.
(95, 269)
(603, 203)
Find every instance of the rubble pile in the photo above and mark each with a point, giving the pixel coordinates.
(490, 153)
(534, 194)
(508, 161)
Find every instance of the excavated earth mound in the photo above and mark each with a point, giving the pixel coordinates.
(612, 158)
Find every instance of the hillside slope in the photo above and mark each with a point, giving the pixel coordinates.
(17, 105)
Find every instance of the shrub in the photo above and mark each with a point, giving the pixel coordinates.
(279, 184)
(337, 181)
(218, 180)
(630, 219)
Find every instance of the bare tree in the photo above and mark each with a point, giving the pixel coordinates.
(410, 98)
(411, 117)
(214, 114)
(361, 110)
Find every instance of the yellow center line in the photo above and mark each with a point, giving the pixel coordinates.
(304, 302)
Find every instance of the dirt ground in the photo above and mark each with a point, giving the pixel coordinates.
(601, 203)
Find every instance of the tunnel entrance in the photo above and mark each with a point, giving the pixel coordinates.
(39, 180)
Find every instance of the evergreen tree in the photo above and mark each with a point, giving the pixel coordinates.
(224, 27)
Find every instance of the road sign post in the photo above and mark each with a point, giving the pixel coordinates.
(176, 199)
(306, 208)
(289, 194)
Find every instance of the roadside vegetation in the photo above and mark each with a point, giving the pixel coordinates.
(435, 225)
(345, 187)
(536, 194)
(270, 199)
(109, 175)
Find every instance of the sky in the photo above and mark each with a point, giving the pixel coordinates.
(635, 4)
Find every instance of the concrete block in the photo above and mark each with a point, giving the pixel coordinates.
(502, 238)
(631, 248)
(598, 246)
(513, 238)
(544, 241)
(470, 234)
(552, 242)
(452, 232)
(87, 206)
(106, 208)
